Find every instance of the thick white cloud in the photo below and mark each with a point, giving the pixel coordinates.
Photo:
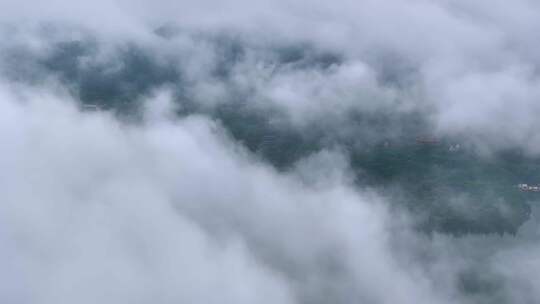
(89, 213)
(94, 210)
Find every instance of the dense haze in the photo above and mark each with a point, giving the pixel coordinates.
(269, 151)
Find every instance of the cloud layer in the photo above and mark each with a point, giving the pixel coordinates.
(257, 152)
(173, 211)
